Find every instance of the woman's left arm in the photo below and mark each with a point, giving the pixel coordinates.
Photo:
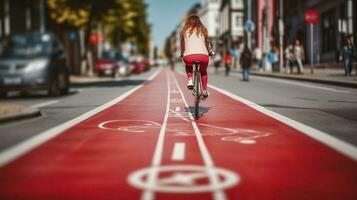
(208, 46)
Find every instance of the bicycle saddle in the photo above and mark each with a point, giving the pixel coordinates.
(197, 62)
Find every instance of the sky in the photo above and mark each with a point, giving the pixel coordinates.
(165, 15)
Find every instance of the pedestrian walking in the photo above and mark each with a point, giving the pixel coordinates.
(289, 58)
(234, 53)
(347, 54)
(258, 58)
(273, 58)
(246, 62)
(299, 56)
(217, 61)
(227, 61)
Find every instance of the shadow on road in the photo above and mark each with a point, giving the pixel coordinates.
(202, 110)
(36, 95)
(110, 83)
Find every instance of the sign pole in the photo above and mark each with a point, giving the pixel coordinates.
(312, 47)
(312, 16)
(281, 36)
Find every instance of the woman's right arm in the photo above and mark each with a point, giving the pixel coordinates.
(182, 44)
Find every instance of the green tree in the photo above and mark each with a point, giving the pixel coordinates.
(168, 48)
(122, 20)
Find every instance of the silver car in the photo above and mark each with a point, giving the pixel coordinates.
(33, 61)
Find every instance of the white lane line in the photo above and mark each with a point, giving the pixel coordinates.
(156, 161)
(180, 115)
(20, 149)
(207, 159)
(292, 82)
(334, 143)
(178, 153)
(177, 109)
(44, 104)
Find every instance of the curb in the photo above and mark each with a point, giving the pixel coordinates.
(27, 113)
(314, 80)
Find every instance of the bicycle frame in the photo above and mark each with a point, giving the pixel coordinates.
(197, 88)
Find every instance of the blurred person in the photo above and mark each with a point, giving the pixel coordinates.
(289, 58)
(299, 56)
(217, 61)
(258, 57)
(273, 58)
(195, 46)
(227, 61)
(234, 53)
(246, 62)
(347, 54)
(172, 63)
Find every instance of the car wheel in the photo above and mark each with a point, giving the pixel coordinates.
(63, 82)
(3, 94)
(54, 88)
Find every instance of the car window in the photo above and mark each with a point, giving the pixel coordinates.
(26, 45)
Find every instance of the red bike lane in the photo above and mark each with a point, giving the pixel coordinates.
(148, 146)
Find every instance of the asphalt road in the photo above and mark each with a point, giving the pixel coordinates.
(150, 147)
(330, 109)
(55, 111)
(327, 108)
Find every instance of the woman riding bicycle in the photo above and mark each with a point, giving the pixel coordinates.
(195, 46)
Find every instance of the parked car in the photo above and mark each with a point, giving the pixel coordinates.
(112, 63)
(107, 64)
(147, 64)
(33, 61)
(124, 68)
(139, 64)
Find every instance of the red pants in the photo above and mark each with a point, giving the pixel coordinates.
(189, 59)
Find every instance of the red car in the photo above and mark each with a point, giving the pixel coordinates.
(107, 64)
(137, 67)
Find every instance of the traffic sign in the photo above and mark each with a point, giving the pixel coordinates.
(312, 16)
(249, 26)
(95, 38)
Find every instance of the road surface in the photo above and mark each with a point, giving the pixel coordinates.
(144, 144)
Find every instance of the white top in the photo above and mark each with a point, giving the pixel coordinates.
(258, 54)
(298, 52)
(194, 44)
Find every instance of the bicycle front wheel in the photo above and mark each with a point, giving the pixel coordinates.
(197, 96)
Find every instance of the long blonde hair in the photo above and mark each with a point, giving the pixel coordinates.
(193, 23)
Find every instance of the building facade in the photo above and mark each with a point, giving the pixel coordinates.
(337, 19)
(19, 16)
(231, 22)
(208, 14)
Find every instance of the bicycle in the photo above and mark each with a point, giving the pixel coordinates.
(197, 87)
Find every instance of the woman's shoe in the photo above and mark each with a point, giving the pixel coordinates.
(190, 84)
(205, 94)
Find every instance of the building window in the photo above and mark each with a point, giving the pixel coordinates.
(237, 4)
(239, 21)
(329, 31)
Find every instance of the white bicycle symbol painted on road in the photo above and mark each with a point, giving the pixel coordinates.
(239, 135)
(183, 179)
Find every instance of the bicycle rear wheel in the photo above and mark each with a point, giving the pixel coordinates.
(197, 95)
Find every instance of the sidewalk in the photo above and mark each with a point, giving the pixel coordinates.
(320, 75)
(324, 75)
(11, 112)
(74, 79)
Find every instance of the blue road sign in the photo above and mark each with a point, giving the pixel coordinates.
(249, 26)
